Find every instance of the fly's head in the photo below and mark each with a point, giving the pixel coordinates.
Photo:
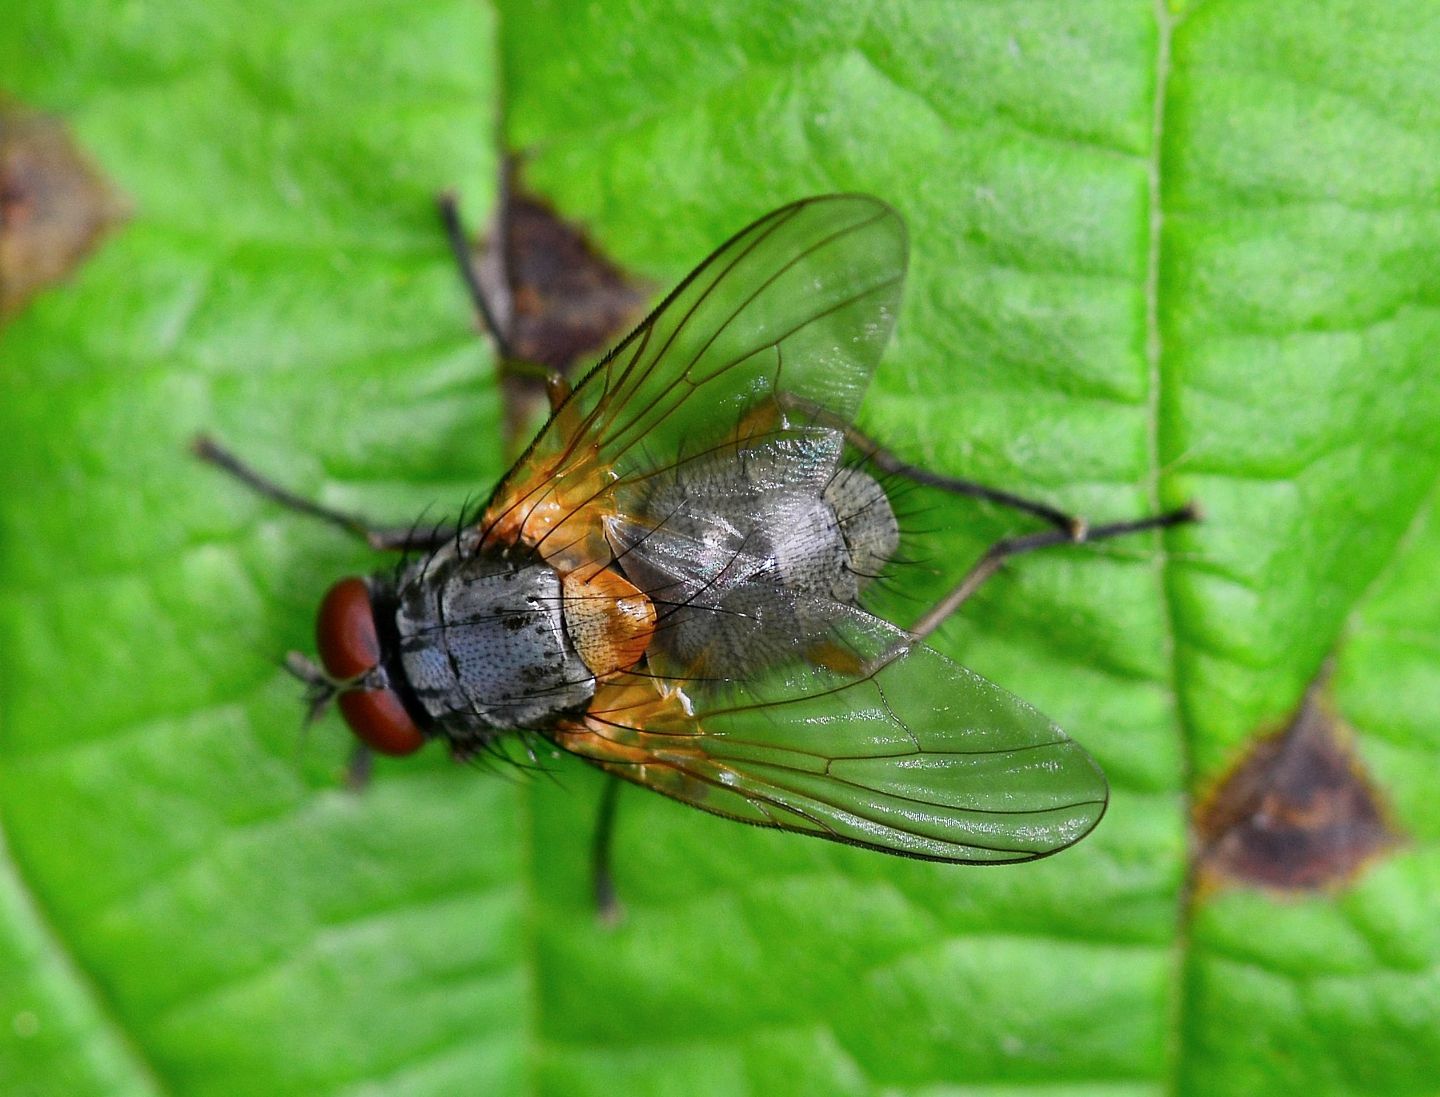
(357, 654)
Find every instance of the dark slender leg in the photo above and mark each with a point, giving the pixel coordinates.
(1074, 526)
(556, 387)
(607, 904)
(1069, 529)
(359, 768)
(999, 552)
(449, 207)
(378, 537)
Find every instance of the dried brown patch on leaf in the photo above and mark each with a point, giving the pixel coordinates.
(555, 297)
(1299, 813)
(54, 205)
(569, 301)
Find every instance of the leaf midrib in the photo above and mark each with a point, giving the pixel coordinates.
(1161, 446)
(26, 905)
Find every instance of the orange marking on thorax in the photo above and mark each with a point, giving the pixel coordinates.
(609, 619)
(632, 720)
(556, 505)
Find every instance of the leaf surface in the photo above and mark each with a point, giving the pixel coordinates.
(1157, 254)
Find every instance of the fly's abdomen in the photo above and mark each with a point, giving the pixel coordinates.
(866, 523)
(749, 552)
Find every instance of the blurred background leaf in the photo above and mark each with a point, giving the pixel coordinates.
(1159, 253)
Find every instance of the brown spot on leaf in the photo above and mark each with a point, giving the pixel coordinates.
(569, 299)
(1298, 813)
(54, 206)
(556, 298)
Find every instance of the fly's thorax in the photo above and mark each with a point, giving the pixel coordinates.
(483, 645)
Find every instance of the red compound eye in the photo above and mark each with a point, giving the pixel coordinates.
(380, 721)
(349, 646)
(345, 630)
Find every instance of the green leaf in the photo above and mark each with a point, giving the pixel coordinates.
(1158, 254)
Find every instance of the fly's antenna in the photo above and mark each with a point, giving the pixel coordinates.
(320, 688)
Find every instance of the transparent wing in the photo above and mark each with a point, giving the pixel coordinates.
(801, 302)
(921, 757)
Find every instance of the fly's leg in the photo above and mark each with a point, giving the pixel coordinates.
(1074, 527)
(1069, 529)
(378, 537)
(557, 389)
(607, 903)
(1002, 550)
(359, 767)
(489, 311)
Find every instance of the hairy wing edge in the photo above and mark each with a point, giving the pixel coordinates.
(979, 777)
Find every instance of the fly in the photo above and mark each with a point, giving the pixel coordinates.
(671, 581)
